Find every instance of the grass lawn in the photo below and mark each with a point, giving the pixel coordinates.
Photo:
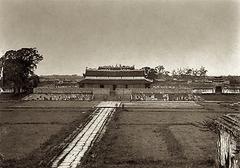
(160, 134)
(29, 129)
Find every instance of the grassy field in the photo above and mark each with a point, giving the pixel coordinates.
(159, 134)
(145, 134)
(29, 129)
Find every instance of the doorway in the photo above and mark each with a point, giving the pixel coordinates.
(218, 89)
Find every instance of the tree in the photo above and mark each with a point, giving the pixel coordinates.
(174, 73)
(159, 69)
(195, 72)
(166, 73)
(202, 71)
(19, 66)
(189, 72)
(180, 72)
(150, 73)
(146, 70)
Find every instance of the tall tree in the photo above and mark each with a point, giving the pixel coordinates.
(174, 73)
(150, 73)
(189, 71)
(19, 66)
(146, 70)
(202, 71)
(159, 69)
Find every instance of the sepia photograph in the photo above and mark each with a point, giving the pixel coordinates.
(119, 83)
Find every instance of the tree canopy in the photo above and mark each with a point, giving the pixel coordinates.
(150, 73)
(161, 72)
(19, 66)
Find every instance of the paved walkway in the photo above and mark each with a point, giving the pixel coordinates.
(72, 155)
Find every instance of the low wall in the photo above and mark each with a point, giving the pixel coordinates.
(122, 91)
(75, 93)
(165, 97)
(231, 90)
(107, 90)
(56, 96)
(225, 90)
(203, 90)
(40, 90)
(101, 91)
(162, 90)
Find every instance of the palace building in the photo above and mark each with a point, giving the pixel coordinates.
(115, 77)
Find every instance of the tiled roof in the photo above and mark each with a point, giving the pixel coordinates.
(118, 81)
(114, 73)
(116, 77)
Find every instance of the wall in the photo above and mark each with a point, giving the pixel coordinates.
(105, 91)
(57, 96)
(165, 97)
(231, 90)
(101, 93)
(111, 86)
(121, 86)
(162, 90)
(61, 90)
(108, 86)
(203, 90)
(123, 93)
(137, 86)
(91, 86)
(225, 90)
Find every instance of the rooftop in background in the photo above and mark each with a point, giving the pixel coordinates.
(115, 76)
(117, 67)
(114, 71)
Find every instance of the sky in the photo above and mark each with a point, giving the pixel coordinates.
(75, 34)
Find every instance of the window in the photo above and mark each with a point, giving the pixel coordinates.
(101, 86)
(126, 86)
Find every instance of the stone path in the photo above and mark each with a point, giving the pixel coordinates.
(72, 155)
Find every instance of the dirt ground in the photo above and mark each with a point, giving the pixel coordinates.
(28, 129)
(158, 134)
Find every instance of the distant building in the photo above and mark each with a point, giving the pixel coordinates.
(115, 77)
